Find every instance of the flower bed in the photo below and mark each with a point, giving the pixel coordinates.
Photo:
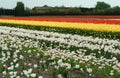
(31, 53)
(71, 25)
(54, 49)
(77, 19)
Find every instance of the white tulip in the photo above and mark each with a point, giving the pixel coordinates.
(33, 75)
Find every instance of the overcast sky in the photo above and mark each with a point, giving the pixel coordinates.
(31, 3)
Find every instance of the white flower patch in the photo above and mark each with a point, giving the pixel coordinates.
(74, 40)
(11, 68)
(30, 70)
(17, 65)
(77, 66)
(89, 70)
(15, 43)
(40, 77)
(21, 57)
(33, 75)
(4, 72)
(60, 76)
(35, 66)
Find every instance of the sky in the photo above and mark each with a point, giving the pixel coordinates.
(9, 4)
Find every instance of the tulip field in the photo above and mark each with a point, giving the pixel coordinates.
(60, 47)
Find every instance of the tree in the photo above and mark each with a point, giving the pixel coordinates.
(19, 9)
(45, 6)
(114, 11)
(74, 11)
(27, 11)
(1, 11)
(102, 5)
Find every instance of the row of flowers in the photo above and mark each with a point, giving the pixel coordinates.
(91, 43)
(82, 26)
(23, 55)
(91, 16)
(69, 19)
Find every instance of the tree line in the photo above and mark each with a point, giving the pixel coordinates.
(101, 8)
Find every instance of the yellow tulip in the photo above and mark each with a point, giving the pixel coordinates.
(83, 26)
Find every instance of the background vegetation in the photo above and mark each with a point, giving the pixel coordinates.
(101, 8)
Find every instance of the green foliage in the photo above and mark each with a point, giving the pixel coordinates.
(102, 5)
(101, 8)
(27, 11)
(115, 10)
(19, 9)
(74, 11)
(1, 68)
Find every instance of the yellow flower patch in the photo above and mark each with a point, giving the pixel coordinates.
(84, 26)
